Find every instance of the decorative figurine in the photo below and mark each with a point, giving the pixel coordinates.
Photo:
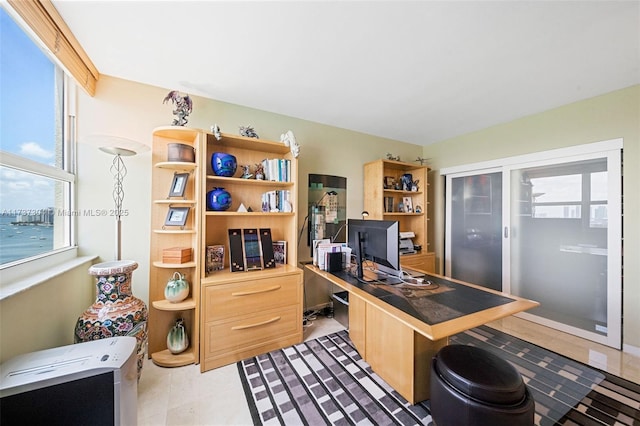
(248, 132)
(216, 132)
(259, 172)
(290, 140)
(391, 157)
(183, 107)
(246, 172)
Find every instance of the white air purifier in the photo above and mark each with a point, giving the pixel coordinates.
(91, 383)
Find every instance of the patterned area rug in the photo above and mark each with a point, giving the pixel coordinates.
(325, 381)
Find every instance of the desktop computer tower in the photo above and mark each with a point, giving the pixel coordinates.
(91, 383)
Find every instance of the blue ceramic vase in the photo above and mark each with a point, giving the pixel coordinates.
(223, 164)
(218, 199)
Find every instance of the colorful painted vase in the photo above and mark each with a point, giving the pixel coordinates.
(116, 311)
(177, 339)
(223, 164)
(218, 199)
(177, 288)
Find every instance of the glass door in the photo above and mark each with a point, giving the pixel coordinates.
(564, 245)
(546, 227)
(476, 229)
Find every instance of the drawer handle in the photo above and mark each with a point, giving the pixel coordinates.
(242, 327)
(248, 293)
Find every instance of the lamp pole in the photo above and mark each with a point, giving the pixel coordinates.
(118, 171)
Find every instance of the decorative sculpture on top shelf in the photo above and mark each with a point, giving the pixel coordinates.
(392, 158)
(215, 129)
(248, 132)
(183, 107)
(290, 140)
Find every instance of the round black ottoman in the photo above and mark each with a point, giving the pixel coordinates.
(472, 386)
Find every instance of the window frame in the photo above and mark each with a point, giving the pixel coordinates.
(18, 270)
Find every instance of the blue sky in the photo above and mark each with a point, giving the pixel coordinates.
(26, 115)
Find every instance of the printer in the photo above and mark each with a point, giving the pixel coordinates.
(406, 243)
(92, 383)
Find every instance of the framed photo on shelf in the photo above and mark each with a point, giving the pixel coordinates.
(389, 182)
(179, 184)
(215, 258)
(408, 204)
(177, 216)
(280, 252)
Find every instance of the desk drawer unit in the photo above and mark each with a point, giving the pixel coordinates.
(249, 318)
(223, 301)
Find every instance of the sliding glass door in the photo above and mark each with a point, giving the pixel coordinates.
(476, 229)
(559, 232)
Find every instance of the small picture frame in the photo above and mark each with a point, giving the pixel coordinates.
(408, 204)
(178, 185)
(389, 182)
(177, 216)
(280, 252)
(215, 258)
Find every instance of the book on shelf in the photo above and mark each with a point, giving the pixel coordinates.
(277, 169)
(277, 201)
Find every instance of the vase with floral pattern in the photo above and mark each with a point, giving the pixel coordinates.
(116, 311)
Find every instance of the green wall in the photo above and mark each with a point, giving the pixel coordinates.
(610, 116)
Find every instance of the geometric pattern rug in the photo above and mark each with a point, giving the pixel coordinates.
(325, 382)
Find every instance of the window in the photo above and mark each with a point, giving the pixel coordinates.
(36, 167)
(556, 194)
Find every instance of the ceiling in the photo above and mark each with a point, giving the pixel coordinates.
(414, 71)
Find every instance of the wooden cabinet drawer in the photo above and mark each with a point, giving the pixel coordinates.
(223, 301)
(424, 262)
(238, 333)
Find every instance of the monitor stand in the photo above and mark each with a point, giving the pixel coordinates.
(381, 277)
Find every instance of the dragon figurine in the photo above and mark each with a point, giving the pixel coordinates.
(183, 107)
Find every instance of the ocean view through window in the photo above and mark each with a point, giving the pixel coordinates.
(36, 167)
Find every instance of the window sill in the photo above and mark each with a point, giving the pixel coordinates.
(10, 289)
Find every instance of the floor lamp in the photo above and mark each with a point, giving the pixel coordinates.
(119, 171)
(118, 147)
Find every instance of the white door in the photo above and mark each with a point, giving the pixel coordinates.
(561, 235)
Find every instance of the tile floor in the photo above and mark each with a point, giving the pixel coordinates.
(184, 396)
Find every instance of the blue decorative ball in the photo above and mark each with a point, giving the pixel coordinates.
(223, 164)
(218, 199)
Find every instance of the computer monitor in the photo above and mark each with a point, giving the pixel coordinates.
(377, 241)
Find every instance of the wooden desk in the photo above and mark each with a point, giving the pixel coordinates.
(398, 329)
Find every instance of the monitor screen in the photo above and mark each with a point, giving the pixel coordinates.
(377, 241)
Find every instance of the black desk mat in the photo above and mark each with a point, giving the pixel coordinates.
(448, 301)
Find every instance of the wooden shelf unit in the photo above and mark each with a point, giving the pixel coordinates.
(162, 313)
(248, 313)
(374, 203)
